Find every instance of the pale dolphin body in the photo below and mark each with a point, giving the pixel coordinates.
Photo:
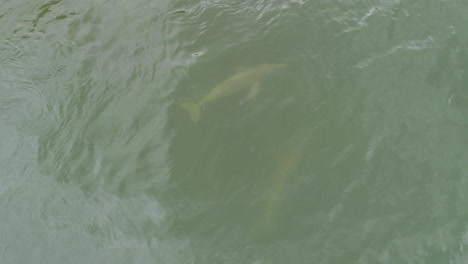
(287, 162)
(245, 78)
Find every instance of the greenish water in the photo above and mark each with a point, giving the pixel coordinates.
(353, 152)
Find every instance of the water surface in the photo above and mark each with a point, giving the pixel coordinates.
(355, 152)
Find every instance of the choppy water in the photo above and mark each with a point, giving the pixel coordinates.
(355, 152)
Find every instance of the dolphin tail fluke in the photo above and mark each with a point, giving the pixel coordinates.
(193, 109)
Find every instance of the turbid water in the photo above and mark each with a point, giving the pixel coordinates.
(353, 151)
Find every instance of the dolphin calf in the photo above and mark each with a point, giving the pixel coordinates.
(246, 78)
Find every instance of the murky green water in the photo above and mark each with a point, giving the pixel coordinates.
(154, 131)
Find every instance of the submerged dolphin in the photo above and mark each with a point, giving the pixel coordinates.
(287, 164)
(245, 78)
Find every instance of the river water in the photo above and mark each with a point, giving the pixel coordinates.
(327, 131)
